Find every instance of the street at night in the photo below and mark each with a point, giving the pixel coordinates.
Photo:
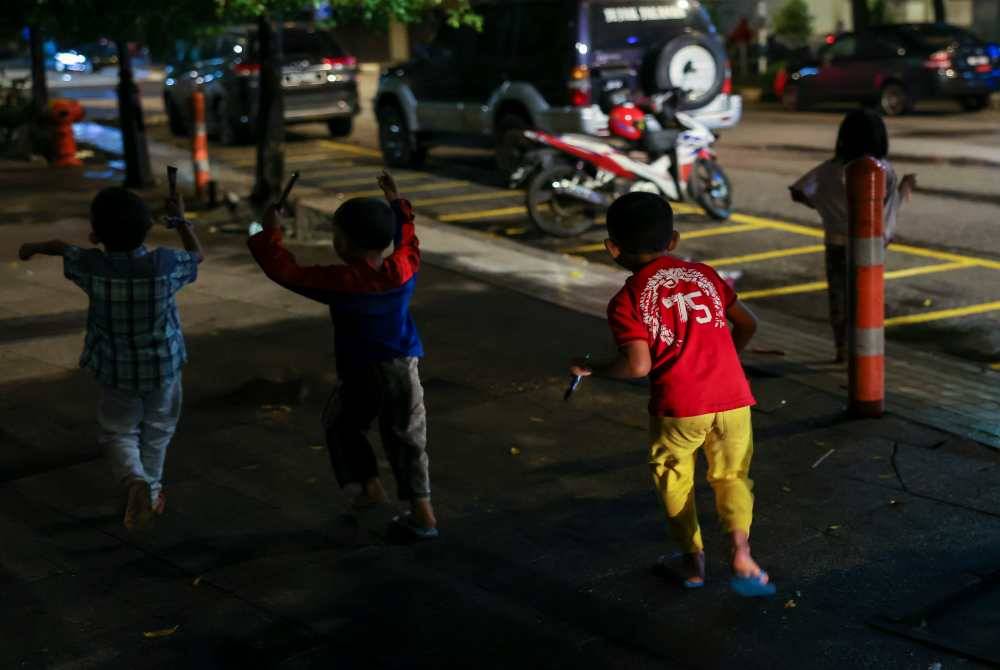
(474, 345)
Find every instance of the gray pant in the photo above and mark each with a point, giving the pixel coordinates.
(391, 391)
(136, 430)
(836, 279)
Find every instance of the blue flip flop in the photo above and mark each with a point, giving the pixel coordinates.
(753, 587)
(664, 569)
(405, 525)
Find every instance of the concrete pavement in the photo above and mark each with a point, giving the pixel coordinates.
(549, 525)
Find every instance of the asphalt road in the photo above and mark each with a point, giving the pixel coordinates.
(943, 288)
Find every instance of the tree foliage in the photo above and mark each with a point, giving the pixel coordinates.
(793, 22)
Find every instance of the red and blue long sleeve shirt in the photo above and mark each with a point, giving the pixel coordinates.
(370, 307)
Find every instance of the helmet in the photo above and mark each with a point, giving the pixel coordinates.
(627, 121)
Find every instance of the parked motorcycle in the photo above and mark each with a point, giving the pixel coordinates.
(572, 179)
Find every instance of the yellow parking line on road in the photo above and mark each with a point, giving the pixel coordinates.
(685, 235)
(352, 149)
(482, 214)
(821, 285)
(923, 252)
(467, 197)
(924, 317)
(995, 366)
(418, 188)
(371, 180)
(767, 255)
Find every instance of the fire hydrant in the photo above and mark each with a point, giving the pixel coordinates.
(62, 115)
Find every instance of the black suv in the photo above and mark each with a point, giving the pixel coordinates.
(319, 81)
(894, 66)
(552, 65)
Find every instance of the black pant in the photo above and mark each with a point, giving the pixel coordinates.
(390, 391)
(836, 279)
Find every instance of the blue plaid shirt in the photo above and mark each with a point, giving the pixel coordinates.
(134, 340)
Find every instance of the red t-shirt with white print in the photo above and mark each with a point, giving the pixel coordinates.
(679, 309)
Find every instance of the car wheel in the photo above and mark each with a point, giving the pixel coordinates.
(511, 144)
(689, 62)
(399, 146)
(894, 100)
(178, 127)
(228, 132)
(974, 103)
(340, 127)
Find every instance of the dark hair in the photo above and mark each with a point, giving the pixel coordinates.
(368, 223)
(862, 133)
(641, 222)
(119, 218)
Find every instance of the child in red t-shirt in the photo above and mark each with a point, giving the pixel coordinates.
(670, 323)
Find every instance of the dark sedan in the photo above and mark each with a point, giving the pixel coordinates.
(318, 80)
(895, 66)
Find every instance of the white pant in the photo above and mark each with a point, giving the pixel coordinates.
(136, 430)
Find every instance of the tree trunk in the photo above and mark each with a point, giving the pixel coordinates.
(39, 85)
(138, 173)
(940, 16)
(860, 14)
(270, 170)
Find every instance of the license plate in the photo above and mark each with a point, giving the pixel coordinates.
(303, 78)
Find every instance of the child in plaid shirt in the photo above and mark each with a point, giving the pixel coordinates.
(134, 345)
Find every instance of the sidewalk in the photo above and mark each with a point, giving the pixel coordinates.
(549, 524)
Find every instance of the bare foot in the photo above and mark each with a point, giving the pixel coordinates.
(742, 561)
(422, 513)
(372, 494)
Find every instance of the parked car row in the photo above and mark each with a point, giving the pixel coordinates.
(895, 67)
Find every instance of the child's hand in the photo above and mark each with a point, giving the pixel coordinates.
(388, 186)
(580, 367)
(907, 185)
(175, 206)
(272, 216)
(26, 251)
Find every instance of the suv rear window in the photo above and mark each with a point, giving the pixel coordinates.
(641, 24)
(312, 42)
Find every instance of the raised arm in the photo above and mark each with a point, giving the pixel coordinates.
(279, 264)
(49, 248)
(175, 210)
(406, 234)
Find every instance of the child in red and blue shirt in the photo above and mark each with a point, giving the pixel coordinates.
(670, 322)
(376, 345)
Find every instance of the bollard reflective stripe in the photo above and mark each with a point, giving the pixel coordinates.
(199, 145)
(866, 291)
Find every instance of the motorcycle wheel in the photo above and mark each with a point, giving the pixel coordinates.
(555, 214)
(711, 189)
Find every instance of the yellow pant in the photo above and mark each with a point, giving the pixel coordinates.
(727, 438)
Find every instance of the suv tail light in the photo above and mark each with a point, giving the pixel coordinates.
(727, 83)
(246, 69)
(939, 60)
(340, 62)
(579, 86)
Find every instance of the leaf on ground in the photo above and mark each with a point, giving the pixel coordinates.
(576, 274)
(786, 489)
(833, 527)
(317, 447)
(537, 419)
(514, 451)
(791, 604)
(163, 632)
(197, 581)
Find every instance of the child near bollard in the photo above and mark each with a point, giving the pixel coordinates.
(376, 345)
(134, 344)
(670, 323)
(862, 133)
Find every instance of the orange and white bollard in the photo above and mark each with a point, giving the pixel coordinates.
(199, 145)
(866, 288)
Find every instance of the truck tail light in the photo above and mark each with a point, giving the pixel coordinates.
(246, 69)
(939, 60)
(579, 86)
(340, 62)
